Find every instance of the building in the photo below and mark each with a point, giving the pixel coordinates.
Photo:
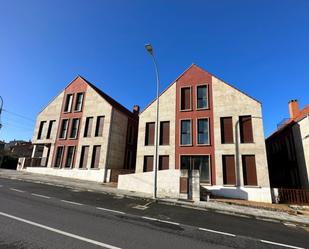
(83, 133)
(211, 139)
(288, 150)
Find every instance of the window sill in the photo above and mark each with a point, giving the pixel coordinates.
(94, 168)
(66, 112)
(75, 111)
(229, 185)
(203, 109)
(164, 144)
(186, 110)
(228, 143)
(251, 186)
(148, 145)
(73, 138)
(62, 138)
(186, 145)
(247, 142)
(201, 145)
(83, 168)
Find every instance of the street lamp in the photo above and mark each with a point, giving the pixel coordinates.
(155, 165)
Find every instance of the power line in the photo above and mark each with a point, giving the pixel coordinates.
(19, 115)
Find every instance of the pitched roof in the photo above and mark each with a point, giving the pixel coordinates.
(302, 114)
(195, 65)
(109, 99)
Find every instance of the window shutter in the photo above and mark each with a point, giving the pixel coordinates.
(163, 162)
(249, 170)
(226, 130)
(164, 133)
(148, 163)
(228, 163)
(245, 125)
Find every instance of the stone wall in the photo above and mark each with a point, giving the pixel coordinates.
(167, 108)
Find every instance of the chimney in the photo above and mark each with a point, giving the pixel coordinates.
(136, 109)
(294, 108)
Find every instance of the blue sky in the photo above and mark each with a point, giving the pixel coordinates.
(260, 47)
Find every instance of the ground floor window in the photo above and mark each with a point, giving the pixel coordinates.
(148, 163)
(228, 168)
(70, 156)
(163, 162)
(249, 170)
(95, 156)
(58, 158)
(201, 163)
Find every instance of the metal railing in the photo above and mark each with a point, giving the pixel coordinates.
(293, 196)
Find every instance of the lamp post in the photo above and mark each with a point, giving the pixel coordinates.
(156, 159)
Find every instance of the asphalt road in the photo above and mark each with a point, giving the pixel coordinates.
(36, 216)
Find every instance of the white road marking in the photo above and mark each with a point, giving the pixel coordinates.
(279, 244)
(17, 190)
(149, 218)
(169, 222)
(98, 243)
(110, 210)
(43, 196)
(214, 231)
(72, 202)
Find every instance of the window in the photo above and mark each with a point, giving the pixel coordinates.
(165, 133)
(226, 130)
(79, 102)
(186, 138)
(99, 126)
(74, 128)
(70, 156)
(95, 156)
(163, 162)
(202, 97)
(42, 124)
(149, 135)
(68, 103)
(203, 131)
(200, 163)
(84, 157)
(185, 98)
(245, 127)
(249, 170)
(228, 167)
(129, 161)
(58, 159)
(64, 128)
(148, 163)
(88, 127)
(50, 127)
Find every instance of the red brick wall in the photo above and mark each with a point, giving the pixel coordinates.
(192, 77)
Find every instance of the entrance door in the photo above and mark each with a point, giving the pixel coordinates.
(197, 162)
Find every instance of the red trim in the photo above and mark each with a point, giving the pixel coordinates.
(192, 77)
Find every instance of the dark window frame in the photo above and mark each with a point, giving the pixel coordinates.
(206, 97)
(198, 131)
(148, 139)
(183, 133)
(225, 132)
(163, 136)
(68, 104)
(182, 104)
(77, 102)
(99, 128)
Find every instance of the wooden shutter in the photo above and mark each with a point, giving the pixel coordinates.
(88, 127)
(226, 130)
(84, 157)
(148, 163)
(99, 126)
(95, 156)
(165, 133)
(185, 98)
(245, 125)
(249, 170)
(163, 162)
(150, 130)
(228, 164)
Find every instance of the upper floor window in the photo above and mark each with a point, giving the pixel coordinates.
(203, 131)
(79, 102)
(74, 128)
(245, 129)
(202, 97)
(226, 130)
(88, 126)
(50, 127)
(68, 103)
(149, 134)
(186, 136)
(165, 133)
(185, 98)
(64, 128)
(42, 124)
(99, 126)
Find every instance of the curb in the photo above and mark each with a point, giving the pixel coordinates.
(173, 203)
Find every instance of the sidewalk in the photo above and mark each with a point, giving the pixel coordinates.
(274, 212)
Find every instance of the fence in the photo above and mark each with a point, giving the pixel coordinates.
(293, 196)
